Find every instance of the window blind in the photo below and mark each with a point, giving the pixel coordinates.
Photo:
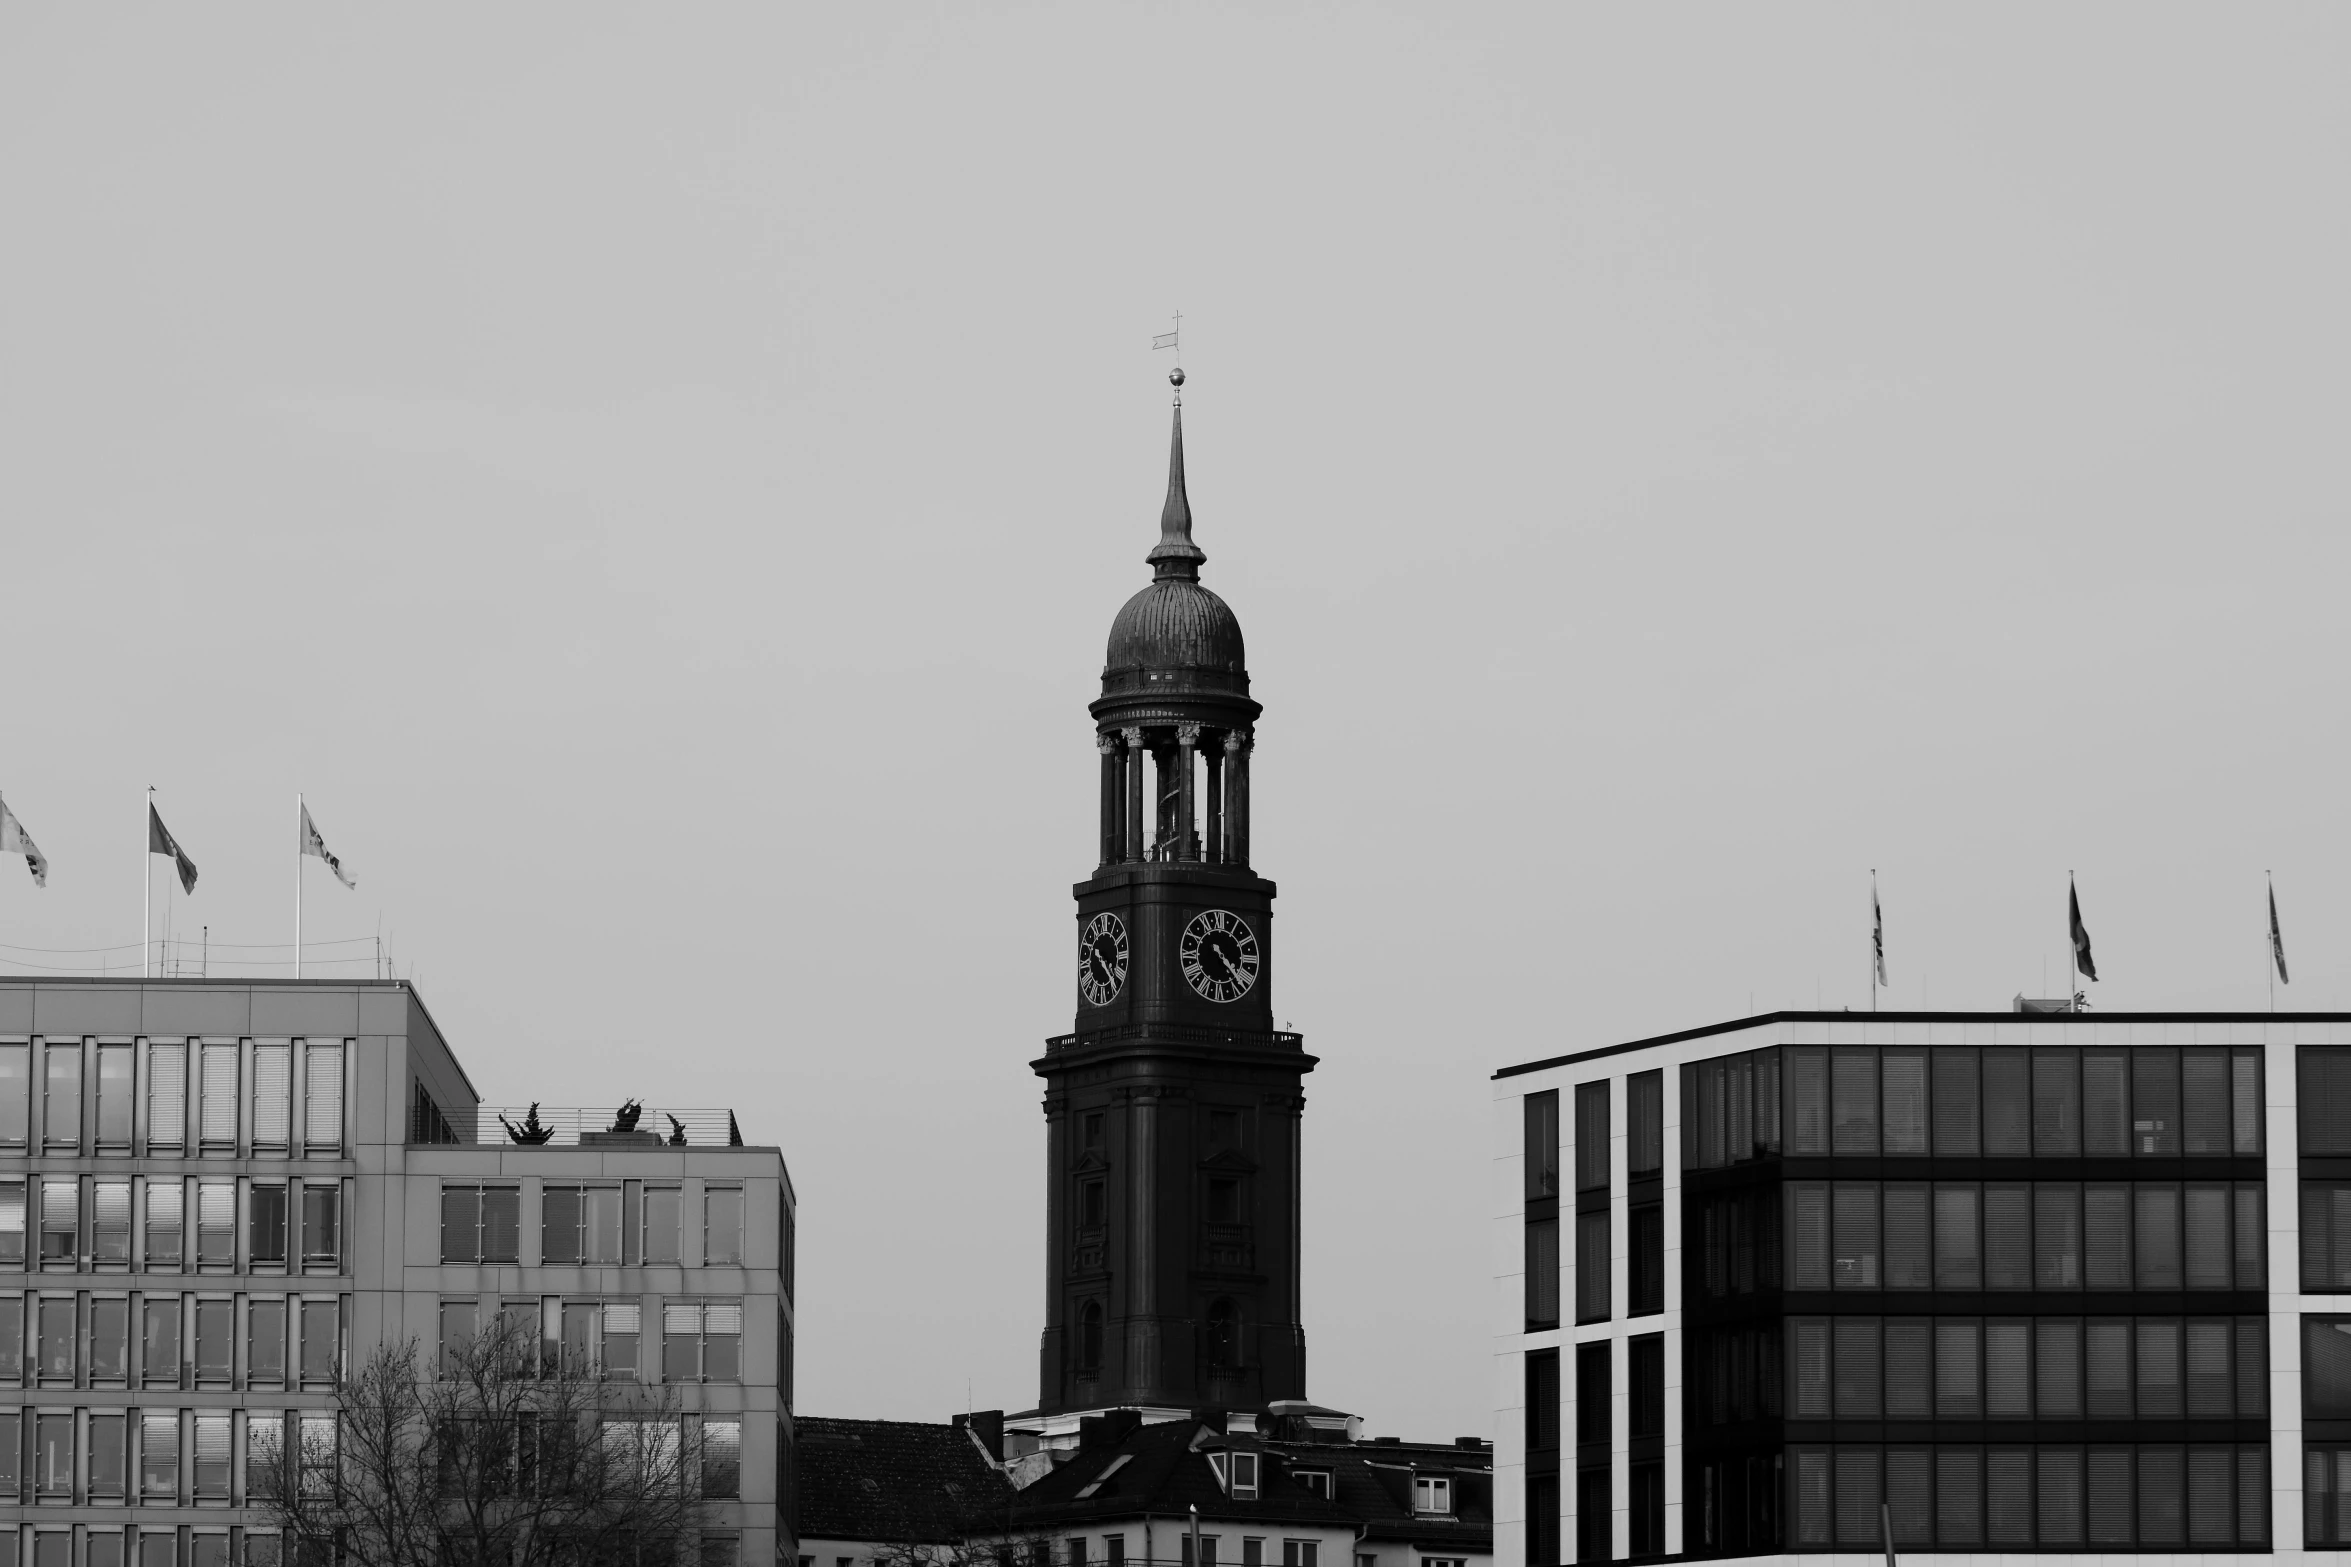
(1808, 1369)
(2212, 1487)
(2252, 1368)
(2209, 1264)
(2057, 1103)
(1957, 1105)
(2008, 1114)
(2245, 1104)
(2008, 1364)
(2057, 1368)
(2159, 1369)
(1909, 1254)
(2253, 1495)
(2323, 1099)
(1807, 1106)
(2008, 1236)
(2156, 1234)
(1857, 1496)
(1959, 1497)
(1856, 1238)
(2251, 1221)
(273, 1088)
(559, 1226)
(217, 1117)
(501, 1224)
(2106, 1231)
(1812, 1496)
(1645, 1123)
(2008, 1496)
(1808, 1235)
(1958, 1370)
(2106, 1108)
(1910, 1495)
(461, 1219)
(1854, 1091)
(167, 1095)
(1910, 1369)
(1958, 1247)
(2057, 1235)
(1860, 1393)
(322, 1095)
(166, 1205)
(2326, 1367)
(2155, 1101)
(2211, 1390)
(1905, 1126)
(2058, 1492)
(2204, 1101)
(2110, 1495)
(2109, 1365)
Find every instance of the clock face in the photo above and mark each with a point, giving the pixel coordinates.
(1102, 959)
(1219, 954)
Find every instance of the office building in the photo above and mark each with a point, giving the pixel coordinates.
(217, 1196)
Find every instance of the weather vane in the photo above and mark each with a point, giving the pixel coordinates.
(1171, 340)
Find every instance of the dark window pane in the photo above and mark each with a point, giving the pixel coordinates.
(2252, 1368)
(2057, 1235)
(2008, 1364)
(1542, 1144)
(2008, 1496)
(1542, 1273)
(1592, 1516)
(1807, 1070)
(2326, 1236)
(2110, 1495)
(1648, 1509)
(2107, 1360)
(2161, 1514)
(1905, 1125)
(1767, 1099)
(2156, 1234)
(2326, 1367)
(1910, 1368)
(2205, 1223)
(1812, 1497)
(2059, 1487)
(2212, 1495)
(2247, 1111)
(1959, 1261)
(1959, 1497)
(2211, 1390)
(2158, 1364)
(1855, 1093)
(1910, 1495)
(1702, 1129)
(2324, 1099)
(2204, 1101)
(1909, 1253)
(2057, 1368)
(2155, 1101)
(2252, 1209)
(1542, 1521)
(1858, 1479)
(1808, 1235)
(1958, 1105)
(1542, 1400)
(461, 1208)
(1647, 1261)
(1808, 1369)
(1591, 1267)
(2106, 1103)
(1591, 1137)
(2253, 1495)
(1645, 1123)
(1646, 1356)
(1958, 1369)
(501, 1224)
(2106, 1236)
(1591, 1393)
(2008, 1104)
(2057, 1103)
(1856, 1238)
(1858, 1374)
(2008, 1236)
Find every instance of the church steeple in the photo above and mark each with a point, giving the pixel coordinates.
(1176, 554)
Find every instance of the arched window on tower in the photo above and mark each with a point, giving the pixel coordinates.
(1223, 1338)
(1090, 1338)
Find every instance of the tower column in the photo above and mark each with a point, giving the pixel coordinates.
(1187, 747)
(1113, 795)
(1134, 822)
(1238, 744)
(1212, 842)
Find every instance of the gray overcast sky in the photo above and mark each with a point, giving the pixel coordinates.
(660, 479)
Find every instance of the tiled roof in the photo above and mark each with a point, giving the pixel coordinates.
(893, 1481)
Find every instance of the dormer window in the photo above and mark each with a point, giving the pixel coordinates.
(1432, 1494)
(1314, 1482)
(1236, 1473)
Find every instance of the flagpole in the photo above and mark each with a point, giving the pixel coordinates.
(299, 809)
(2073, 954)
(146, 883)
(2269, 966)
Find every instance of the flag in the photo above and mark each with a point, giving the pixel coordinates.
(15, 840)
(2277, 943)
(1877, 931)
(1164, 340)
(2081, 934)
(160, 841)
(312, 843)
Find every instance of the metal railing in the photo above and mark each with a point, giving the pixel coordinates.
(564, 1126)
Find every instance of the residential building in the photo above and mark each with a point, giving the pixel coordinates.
(216, 1196)
(900, 1492)
(2000, 1284)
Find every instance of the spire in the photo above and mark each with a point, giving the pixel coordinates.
(1176, 554)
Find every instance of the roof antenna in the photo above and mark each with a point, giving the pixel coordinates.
(1173, 340)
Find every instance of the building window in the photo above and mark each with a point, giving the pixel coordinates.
(166, 1213)
(1221, 1336)
(215, 1341)
(212, 1457)
(159, 1341)
(322, 1098)
(1090, 1338)
(722, 1459)
(1591, 1137)
(265, 1343)
(321, 1341)
(266, 1206)
(580, 1224)
(167, 1097)
(159, 1456)
(1090, 1132)
(322, 1223)
(702, 1343)
(61, 1098)
(1432, 1494)
(110, 1222)
(722, 1226)
(53, 1456)
(1646, 1285)
(114, 1098)
(106, 1456)
(16, 1097)
(600, 1338)
(12, 1223)
(1114, 1550)
(1592, 1516)
(480, 1223)
(1542, 1402)
(1591, 1394)
(461, 1327)
(1591, 1267)
(1093, 1204)
(56, 1338)
(665, 1208)
(1541, 1159)
(216, 1224)
(217, 1101)
(1542, 1536)
(61, 1221)
(318, 1453)
(426, 1123)
(273, 1095)
(1314, 1482)
(110, 1339)
(1244, 1477)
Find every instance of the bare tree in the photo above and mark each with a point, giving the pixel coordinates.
(503, 1459)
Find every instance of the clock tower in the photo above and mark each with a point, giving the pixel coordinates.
(1173, 1106)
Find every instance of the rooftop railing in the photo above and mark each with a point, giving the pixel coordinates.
(573, 1126)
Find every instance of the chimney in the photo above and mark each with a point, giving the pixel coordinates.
(988, 1426)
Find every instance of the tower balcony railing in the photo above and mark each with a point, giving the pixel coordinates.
(1182, 1033)
(579, 1126)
